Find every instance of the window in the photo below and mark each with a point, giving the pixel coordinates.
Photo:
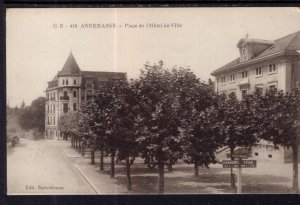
(74, 81)
(103, 79)
(232, 91)
(89, 83)
(272, 85)
(269, 156)
(74, 106)
(67, 82)
(74, 94)
(53, 108)
(63, 81)
(65, 93)
(232, 78)
(47, 108)
(89, 94)
(244, 93)
(223, 79)
(65, 108)
(272, 68)
(259, 88)
(245, 74)
(54, 120)
(256, 153)
(258, 71)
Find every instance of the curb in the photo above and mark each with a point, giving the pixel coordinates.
(87, 179)
(71, 156)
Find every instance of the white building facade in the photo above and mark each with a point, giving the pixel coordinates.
(68, 89)
(262, 64)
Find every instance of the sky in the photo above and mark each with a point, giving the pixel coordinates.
(204, 39)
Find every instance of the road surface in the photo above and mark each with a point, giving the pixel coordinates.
(42, 167)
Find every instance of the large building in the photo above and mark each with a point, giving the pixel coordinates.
(262, 64)
(68, 89)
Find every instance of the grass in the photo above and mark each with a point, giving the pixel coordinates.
(182, 181)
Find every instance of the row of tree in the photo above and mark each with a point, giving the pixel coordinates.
(32, 117)
(167, 115)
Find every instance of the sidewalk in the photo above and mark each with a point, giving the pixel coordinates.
(101, 182)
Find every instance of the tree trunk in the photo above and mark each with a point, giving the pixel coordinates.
(295, 168)
(112, 164)
(92, 156)
(161, 180)
(129, 184)
(170, 168)
(101, 160)
(196, 166)
(82, 150)
(232, 177)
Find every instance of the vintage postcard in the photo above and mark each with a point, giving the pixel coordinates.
(152, 100)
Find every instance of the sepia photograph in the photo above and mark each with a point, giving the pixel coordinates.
(139, 101)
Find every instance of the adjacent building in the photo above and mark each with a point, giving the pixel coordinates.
(68, 89)
(262, 64)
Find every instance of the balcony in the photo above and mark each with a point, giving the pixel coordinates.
(64, 98)
(244, 81)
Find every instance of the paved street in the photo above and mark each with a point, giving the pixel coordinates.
(43, 167)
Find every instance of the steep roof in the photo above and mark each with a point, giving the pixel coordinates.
(287, 43)
(94, 74)
(55, 77)
(101, 77)
(254, 41)
(71, 67)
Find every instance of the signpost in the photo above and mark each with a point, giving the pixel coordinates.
(239, 164)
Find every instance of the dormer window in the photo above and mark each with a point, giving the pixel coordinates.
(245, 54)
(250, 48)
